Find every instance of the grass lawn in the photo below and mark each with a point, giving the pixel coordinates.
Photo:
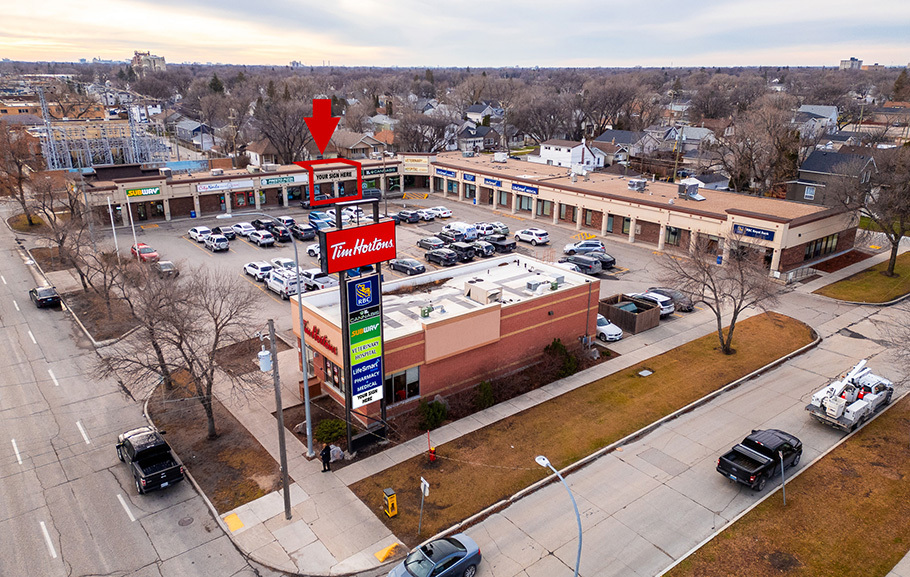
(867, 223)
(849, 514)
(871, 286)
(20, 224)
(480, 468)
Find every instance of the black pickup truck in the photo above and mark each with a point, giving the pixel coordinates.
(501, 242)
(150, 459)
(757, 458)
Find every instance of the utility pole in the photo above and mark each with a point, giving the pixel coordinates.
(282, 449)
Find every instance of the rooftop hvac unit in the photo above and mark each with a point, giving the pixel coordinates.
(269, 167)
(467, 153)
(533, 284)
(561, 279)
(500, 157)
(638, 184)
(165, 172)
(217, 171)
(252, 169)
(425, 311)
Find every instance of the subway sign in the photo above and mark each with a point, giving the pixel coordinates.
(759, 233)
(144, 191)
(352, 248)
(365, 339)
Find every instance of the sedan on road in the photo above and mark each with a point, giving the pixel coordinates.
(44, 296)
(442, 256)
(166, 269)
(408, 266)
(430, 242)
(584, 247)
(319, 215)
(535, 236)
(243, 229)
(455, 556)
(262, 238)
(199, 233)
(258, 269)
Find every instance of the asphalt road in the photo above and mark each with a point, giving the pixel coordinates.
(67, 505)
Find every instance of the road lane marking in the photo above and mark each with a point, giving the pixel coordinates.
(16, 450)
(15, 304)
(31, 336)
(47, 539)
(53, 378)
(81, 430)
(126, 508)
(196, 244)
(3, 278)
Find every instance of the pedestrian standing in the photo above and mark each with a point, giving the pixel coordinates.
(326, 454)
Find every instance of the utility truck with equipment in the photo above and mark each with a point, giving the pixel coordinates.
(852, 400)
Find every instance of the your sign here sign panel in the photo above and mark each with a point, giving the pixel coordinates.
(355, 247)
(365, 338)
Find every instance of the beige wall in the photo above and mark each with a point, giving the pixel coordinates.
(450, 336)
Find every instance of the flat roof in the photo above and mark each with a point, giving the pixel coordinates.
(445, 289)
(607, 186)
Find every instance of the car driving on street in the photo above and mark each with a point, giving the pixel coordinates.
(44, 296)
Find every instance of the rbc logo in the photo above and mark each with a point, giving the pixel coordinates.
(363, 293)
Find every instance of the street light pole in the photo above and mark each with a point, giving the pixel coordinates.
(282, 448)
(544, 462)
(306, 369)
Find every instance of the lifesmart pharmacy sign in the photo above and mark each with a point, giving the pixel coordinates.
(365, 339)
(352, 248)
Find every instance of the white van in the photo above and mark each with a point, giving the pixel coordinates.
(469, 231)
(283, 282)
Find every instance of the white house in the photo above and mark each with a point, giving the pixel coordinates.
(715, 181)
(569, 153)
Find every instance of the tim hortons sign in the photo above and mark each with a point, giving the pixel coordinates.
(351, 248)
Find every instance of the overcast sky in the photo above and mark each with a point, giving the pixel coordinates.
(464, 32)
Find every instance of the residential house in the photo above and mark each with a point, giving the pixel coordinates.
(477, 138)
(569, 153)
(262, 152)
(477, 112)
(632, 143)
(387, 138)
(822, 166)
(713, 181)
(613, 153)
(815, 120)
(382, 122)
(356, 146)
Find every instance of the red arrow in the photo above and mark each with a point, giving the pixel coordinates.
(321, 124)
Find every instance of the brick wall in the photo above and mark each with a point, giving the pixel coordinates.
(650, 232)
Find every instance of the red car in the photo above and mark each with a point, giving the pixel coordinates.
(144, 252)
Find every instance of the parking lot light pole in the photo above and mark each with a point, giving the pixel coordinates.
(306, 372)
(544, 462)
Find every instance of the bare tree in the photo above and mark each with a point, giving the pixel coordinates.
(543, 114)
(604, 101)
(282, 121)
(419, 132)
(882, 195)
(183, 329)
(355, 117)
(742, 282)
(17, 161)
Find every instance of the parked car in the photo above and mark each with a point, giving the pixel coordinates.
(681, 301)
(279, 231)
(757, 458)
(144, 252)
(464, 250)
(282, 282)
(225, 231)
(409, 216)
(313, 249)
(372, 193)
(430, 242)
(305, 203)
(262, 238)
(483, 248)
(320, 216)
(440, 212)
(535, 236)
(607, 331)
(426, 215)
(287, 221)
(315, 279)
(321, 224)
(606, 261)
(442, 256)
(257, 269)
(199, 233)
(665, 303)
(501, 242)
(408, 266)
(166, 268)
(44, 296)
(484, 228)
(262, 223)
(468, 230)
(584, 246)
(393, 217)
(455, 556)
(567, 266)
(499, 228)
(302, 231)
(243, 229)
(150, 459)
(217, 242)
(450, 236)
(585, 263)
(283, 262)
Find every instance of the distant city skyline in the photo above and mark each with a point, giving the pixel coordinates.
(460, 33)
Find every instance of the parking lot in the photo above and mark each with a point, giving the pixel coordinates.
(636, 265)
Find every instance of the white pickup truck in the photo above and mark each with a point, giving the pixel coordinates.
(314, 279)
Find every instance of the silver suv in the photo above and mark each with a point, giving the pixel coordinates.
(217, 242)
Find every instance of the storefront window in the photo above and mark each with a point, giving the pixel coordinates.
(626, 225)
(240, 199)
(672, 236)
(503, 198)
(544, 208)
(334, 376)
(294, 192)
(470, 191)
(610, 223)
(589, 217)
(562, 211)
(452, 186)
(437, 184)
(525, 203)
(821, 247)
(402, 386)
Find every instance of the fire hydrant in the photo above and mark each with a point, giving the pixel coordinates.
(432, 454)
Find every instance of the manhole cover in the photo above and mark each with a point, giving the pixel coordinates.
(185, 521)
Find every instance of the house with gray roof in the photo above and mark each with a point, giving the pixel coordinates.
(633, 143)
(822, 167)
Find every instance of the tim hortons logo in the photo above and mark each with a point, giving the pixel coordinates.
(343, 250)
(313, 333)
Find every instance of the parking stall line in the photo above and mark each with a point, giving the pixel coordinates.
(196, 244)
(31, 336)
(53, 378)
(47, 539)
(82, 430)
(3, 278)
(126, 508)
(15, 304)
(16, 450)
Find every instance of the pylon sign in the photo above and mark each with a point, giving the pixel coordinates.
(365, 339)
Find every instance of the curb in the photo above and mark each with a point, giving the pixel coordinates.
(777, 489)
(625, 440)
